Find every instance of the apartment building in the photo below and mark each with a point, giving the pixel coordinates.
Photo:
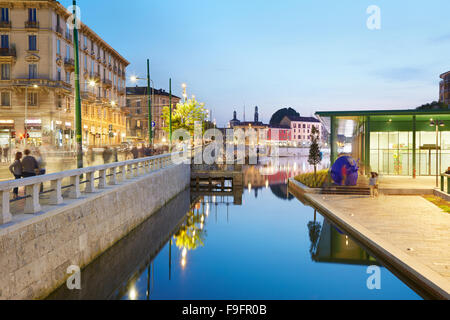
(37, 79)
(301, 129)
(137, 107)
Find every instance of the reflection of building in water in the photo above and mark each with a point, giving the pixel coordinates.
(335, 247)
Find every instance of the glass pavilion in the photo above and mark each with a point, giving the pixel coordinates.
(392, 142)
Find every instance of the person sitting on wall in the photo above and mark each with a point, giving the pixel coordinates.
(448, 171)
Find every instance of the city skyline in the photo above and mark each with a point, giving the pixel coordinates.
(285, 63)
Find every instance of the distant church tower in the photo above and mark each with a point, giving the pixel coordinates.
(234, 115)
(256, 114)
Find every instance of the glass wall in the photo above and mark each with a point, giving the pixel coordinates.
(391, 153)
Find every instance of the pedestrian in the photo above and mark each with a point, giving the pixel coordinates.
(5, 152)
(29, 165)
(115, 154)
(135, 152)
(90, 156)
(41, 164)
(373, 184)
(16, 169)
(107, 155)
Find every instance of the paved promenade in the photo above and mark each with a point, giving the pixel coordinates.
(409, 228)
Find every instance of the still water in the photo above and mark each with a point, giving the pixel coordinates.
(259, 243)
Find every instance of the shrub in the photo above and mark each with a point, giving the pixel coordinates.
(308, 179)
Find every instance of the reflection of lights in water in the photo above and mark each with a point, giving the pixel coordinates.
(202, 219)
(207, 209)
(249, 187)
(184, 253)
(132, 294)
(183, 262)
(303, 167)
(267, 184)
(193, 233)
(295, 166)
(201, 226)
(346, 241)
(214, 199)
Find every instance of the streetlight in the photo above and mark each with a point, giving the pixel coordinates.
(437, 123)
(149, 98)
(184, 86)
(78, 120)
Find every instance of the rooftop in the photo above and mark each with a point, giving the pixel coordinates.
(302, 119)
(142, 91)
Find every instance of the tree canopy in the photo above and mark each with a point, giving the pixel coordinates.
(433, 106)
(184, 115)
(280, 114)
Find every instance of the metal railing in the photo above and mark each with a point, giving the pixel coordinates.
(104, 175)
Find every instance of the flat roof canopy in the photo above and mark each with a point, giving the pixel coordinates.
(410, 112)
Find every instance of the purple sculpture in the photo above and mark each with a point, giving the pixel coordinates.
(345, 171)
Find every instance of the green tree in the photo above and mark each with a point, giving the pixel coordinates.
(184, 115)
(314, 150)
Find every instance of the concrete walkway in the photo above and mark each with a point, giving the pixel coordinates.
(409, 229)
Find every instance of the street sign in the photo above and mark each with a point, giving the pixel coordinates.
(153, 124)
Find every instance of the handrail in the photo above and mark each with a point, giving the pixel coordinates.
(125, 170)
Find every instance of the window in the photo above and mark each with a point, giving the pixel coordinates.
(67, 52)
(32, 43)
(32, 99)
(59, 101)
(32, 71)
(5, 41)
(6, 99)
(32, 14)
(85, 62)
(58, 47)
(58, 74)
(6, 71)
(85, 42)
(4, 15)
(68, 77)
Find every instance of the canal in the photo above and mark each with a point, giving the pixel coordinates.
(260, 243)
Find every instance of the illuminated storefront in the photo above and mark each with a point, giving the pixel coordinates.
(392, 142)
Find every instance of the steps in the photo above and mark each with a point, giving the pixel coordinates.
(343, 190)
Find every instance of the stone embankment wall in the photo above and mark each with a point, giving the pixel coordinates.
(35, 253)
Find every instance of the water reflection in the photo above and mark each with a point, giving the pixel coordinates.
(236, 245)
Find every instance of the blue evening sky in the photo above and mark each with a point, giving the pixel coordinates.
(307, 54)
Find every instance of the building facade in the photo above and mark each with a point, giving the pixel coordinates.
(444, 88)
(37, 79)
(279, 134)
(137, 113)
(247, 127)
(301, 129)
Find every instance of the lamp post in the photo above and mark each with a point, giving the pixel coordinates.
(184, 86)
(170, 114)
(149, 100)
(78, 121)
(437, 124)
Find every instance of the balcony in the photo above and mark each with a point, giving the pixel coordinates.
(107, 83)
(5, 24)
(69, 64)
(59, 30)
(95, 76)
(121, 92)
(8, 52)
(31, 24)
(68, 36)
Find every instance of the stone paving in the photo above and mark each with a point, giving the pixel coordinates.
(410, 223)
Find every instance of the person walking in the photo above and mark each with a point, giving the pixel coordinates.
(373, 184)
(29, 165)
(16, 169)
(6, 153)
(135, 152)
(41, 166)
